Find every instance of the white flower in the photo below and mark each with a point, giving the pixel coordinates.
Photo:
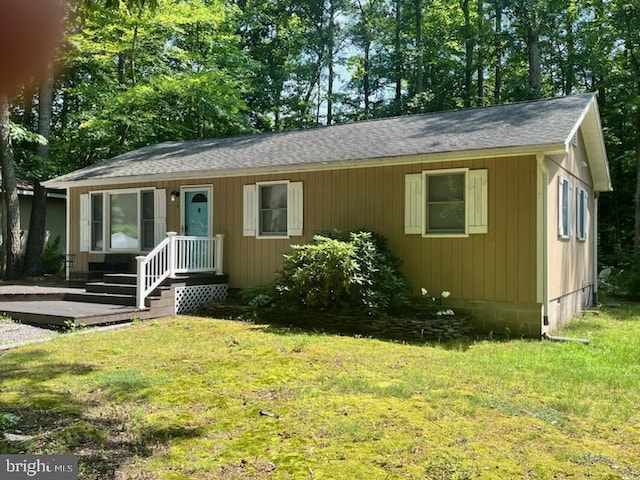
(424, 291)
(447, 312)
(445, 294)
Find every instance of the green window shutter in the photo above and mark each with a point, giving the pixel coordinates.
(478, 201)
(85, 223)
(413, 210)
(249, 210)
(295, 209)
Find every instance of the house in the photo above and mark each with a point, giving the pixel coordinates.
(55, 216)
(497, 205)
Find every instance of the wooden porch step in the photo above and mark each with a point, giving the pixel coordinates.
(120, 278)
(64, 313)
(102, 298)
(111, 288)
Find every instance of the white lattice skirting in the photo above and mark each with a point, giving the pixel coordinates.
(189, 299)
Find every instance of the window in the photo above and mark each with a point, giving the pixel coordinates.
(582, 210)
(122, 220)
(273, 209)
(451, 202)
(97, 224)
(446, 202)
(565, 212)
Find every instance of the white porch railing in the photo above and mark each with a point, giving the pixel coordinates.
(177, 254)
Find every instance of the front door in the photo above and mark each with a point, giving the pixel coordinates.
(196, 211)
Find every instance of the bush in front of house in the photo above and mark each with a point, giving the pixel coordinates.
(349, 273)
(52, 259)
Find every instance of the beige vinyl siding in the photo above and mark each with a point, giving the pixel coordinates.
(570, 260)
(498, 267)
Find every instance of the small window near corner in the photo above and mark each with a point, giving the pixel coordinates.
(582, 211)
(565, 212)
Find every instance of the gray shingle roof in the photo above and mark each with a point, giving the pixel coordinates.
(535, 124)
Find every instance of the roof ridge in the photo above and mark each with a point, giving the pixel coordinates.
(372, 120)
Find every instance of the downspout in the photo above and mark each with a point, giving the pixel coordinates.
(542, 248)
(596, 196)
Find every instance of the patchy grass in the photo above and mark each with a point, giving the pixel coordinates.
(196, 398)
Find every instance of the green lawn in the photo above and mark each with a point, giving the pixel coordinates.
(206, 399)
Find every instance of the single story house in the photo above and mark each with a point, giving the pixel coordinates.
(497, 205)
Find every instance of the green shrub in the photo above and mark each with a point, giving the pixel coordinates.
(351, 274)
(620, 274)
(52, 259)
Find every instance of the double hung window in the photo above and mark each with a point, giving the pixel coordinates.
(565, 211)
(272, 220)
(446, 211)
(446, 203)
(582, 211)
(273, 209)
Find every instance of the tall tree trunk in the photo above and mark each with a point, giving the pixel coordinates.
(330, 92)
(398, 57)
(497, 87)
(535, 80)
(571, 49)
(480, 56)
(636, 230)
(330, 60)
(366, 80)
(533, 53)
(37, 232)
(468, 54)
(419, 49)
(11, 202)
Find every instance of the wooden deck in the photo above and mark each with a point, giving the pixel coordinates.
(98, 303)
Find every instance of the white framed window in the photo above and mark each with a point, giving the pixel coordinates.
(582, 212)
(273, 209)
(124, 220)
(565, 210)
(446, 203)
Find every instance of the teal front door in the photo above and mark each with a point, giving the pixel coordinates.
(197, 212)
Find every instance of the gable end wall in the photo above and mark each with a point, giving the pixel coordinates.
(571, 269)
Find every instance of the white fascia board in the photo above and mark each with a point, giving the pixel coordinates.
(590, 124)
(548, 149)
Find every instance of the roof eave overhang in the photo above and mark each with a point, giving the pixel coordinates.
(591, 127)
(546, 149)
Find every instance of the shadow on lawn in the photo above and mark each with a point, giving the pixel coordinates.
(48, 418)
(283, 329)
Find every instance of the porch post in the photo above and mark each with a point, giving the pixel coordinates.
(218, 260)
(140, 283)
(172, 254)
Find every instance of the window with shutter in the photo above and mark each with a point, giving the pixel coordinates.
(452, 202)
(273, 209)
(129, 220)
(582, 211)
(565, 212)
